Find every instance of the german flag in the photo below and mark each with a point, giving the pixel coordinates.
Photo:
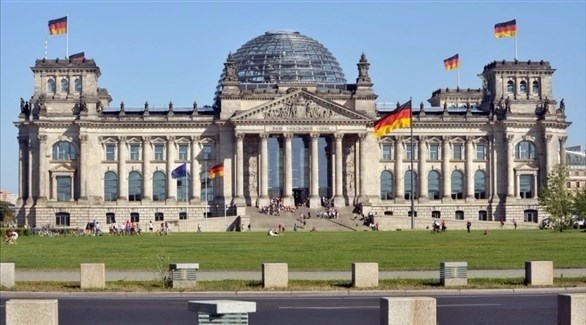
(58, 26)
(217, 170)
(452, 62)
(399, 118)
(77, 56)
(506, 29)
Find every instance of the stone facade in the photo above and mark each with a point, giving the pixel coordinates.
(479, 154)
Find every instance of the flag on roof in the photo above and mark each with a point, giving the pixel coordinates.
(506, 29)
(452, 62)
(58, 26)
(399, 118)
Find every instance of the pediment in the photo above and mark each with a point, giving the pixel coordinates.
(526, 167)
(62, 169)
(300, 106)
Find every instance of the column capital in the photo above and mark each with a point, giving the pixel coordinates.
(362, 136)
(83, 138)
(510, 138)
(194, 138)
(423, 139)
(170, 139)
(445, 138)
(239, 136)
(122, 139)
(264, 136)
(42, 138)
(339, 136)
(563, 139)
(146, 140)
(548, 138)
(469, 139)
(288, 135)
(314, 135)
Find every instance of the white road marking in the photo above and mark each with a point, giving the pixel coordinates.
(469, 305)
(331, 308)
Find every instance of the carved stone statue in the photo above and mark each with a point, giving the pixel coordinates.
(42, 102)
(562, 106)
(99, 106)
(546, 103)
(82, 104)
(146, 106)
(230, 69)
(122, 106)
(508, 104)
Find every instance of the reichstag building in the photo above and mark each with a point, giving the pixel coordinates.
(287, 124)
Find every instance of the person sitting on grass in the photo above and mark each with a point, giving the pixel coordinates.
(272, 232)
(11, 236)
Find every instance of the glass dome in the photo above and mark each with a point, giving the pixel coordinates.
(286, 56)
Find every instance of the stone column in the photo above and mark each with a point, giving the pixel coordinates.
(264, 177)
(44, 183)
(147, 183)
(362, 168)
(546, 157)
(399, 172)
(469, 169)
(195, 170)
(422, 170)
(338, 180)
(510, 165)
(30, 161)
(239, 166)
(83, 168)
(446, 176)
(288, 197)
(22, 168)
(314, 200)
(171, 183)
(122, 175)
(562, 140)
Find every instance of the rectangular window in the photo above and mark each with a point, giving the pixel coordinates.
(183, 152)
(434, 151)
(182, 215)
(207, 152)
(62, 219)
(457, 152)
(110, 152)
(63, 188)
(159, 216)
(135, 152)
(480, 152)
(482, 215)
(387, 151)
(159, 152)
(436, 214)
(110, 218)
(459, 215)
(134, 217)
(411, 150)
(526, 186)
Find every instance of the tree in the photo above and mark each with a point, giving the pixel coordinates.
(556, 198)
(580, 203)
(6, 214)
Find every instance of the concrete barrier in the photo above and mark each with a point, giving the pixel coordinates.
(222, 311)
(572, 309)
(275, 275)
(7, 276)
(365, 275)
(539, 273)
(32, 311)
(93, 276)
(183, 275)
(454, 274)
(408, 311)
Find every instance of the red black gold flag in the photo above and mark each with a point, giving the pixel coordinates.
(399, 118)
(58, 26)
(452, 62)
(217, 170)
(77, 56)
(506, 29)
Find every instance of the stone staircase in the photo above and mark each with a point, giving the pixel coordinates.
(345, 222)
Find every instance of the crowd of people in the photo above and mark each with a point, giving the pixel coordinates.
(276, 206)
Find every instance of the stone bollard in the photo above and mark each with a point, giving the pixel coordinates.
(32, 311)
(93, 276)
(7, 276)
(572, 309)
(454, 274)
(365, 275)
(275, 275)
(539, 273)
(183, 275)
(222, 311)
(408, 311)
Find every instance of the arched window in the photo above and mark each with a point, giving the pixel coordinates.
(525, 150)
(51, 86)
(159, 186)
(386, 185)
(457, 185)
(64, 150)
(433, 185)
(535, 88)
(510, 86)
(64, 85)
(207, 187)
(183, 189)
(480, 184)
(523, 86)
(110, 186)
(78, 85)
(134, 186)
(408, 185)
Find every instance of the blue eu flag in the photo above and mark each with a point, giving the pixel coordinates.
(180, 171)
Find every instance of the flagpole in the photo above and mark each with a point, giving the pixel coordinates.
(515, 38)
(205, 214)
(67, 38)
(412, 154)
(458, 74)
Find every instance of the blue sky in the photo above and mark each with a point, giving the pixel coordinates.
(159, 51)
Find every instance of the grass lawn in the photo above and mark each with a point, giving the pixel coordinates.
(396, 250)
